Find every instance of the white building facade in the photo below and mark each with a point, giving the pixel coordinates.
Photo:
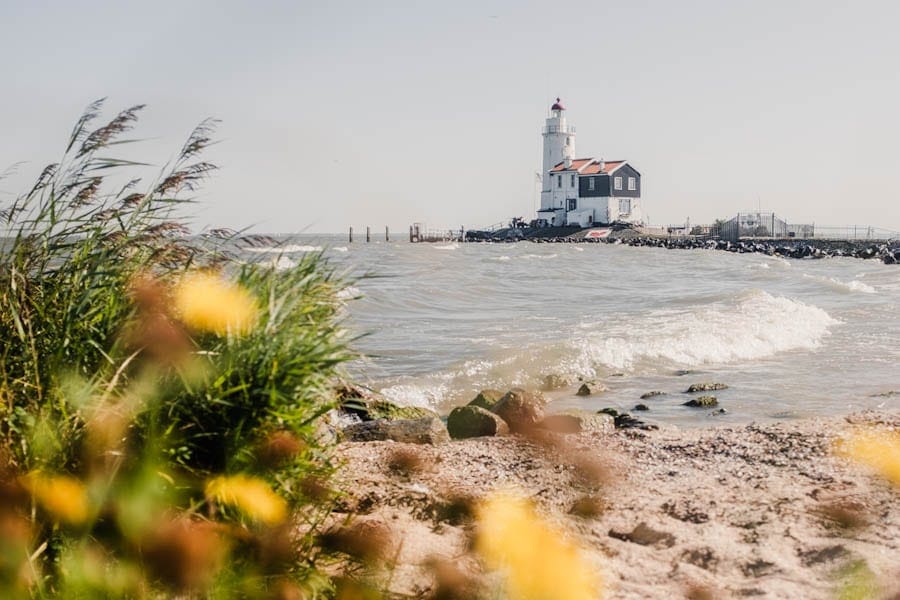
(584, 191)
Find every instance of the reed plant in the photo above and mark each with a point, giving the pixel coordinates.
(160, 396)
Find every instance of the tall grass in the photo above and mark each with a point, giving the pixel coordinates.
(121, 419)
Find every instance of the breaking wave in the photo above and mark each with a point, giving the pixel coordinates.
(841, 286)
(755, 325)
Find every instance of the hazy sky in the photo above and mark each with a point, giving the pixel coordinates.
(384, 113)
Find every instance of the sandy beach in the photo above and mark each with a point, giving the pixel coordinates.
(740, 511)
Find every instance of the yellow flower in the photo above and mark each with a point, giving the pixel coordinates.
(206, 302)
(539, 563)
(62, 496)
(251, 495)
(880, 452)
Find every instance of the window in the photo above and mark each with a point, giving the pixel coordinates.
(617, 183)
(573, 181)
(573, 203)
(592, 183)
(559, 181)
(632, 183)
(568, 141)
(625, 206)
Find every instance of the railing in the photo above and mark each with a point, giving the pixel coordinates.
(555, 129)
(855, 232)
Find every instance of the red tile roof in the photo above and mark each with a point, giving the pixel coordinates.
(577, 164)
(588, 166)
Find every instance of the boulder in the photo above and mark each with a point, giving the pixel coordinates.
(641, 407)
(702, 402)
(487, 399)
(520, 409)
(589, 388)
(706, 387)
(578, 422)
(474, 421)
(652, 394)
(429, 430)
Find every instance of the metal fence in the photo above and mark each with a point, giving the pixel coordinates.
(769, 225)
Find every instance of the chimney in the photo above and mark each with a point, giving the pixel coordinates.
(602, 164)
(568, 162)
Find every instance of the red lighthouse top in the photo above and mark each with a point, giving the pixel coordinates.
(558, 105)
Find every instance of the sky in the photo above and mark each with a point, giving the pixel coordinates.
(338, 114)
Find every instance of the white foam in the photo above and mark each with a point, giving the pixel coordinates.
(500, 258)
(286, 249)
(755, 325)
(340, 248)
(842, 286)
(348, 293)
(282, 263)
(446, 247)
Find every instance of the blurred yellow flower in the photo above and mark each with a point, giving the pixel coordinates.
(64, 497)
(206, 302)
(539, 563)
(879, 451)
(251, 495)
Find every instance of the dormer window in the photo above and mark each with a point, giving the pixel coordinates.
(632, 184)
(617, 183)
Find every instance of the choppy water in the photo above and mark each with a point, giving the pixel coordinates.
(790, 338)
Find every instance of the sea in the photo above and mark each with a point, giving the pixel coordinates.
(437, 322)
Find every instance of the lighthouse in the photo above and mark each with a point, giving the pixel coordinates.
(559, 146)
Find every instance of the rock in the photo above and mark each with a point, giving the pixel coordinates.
(474, 421)
(429, 430)
(589, 388)
(641, 407)
(702, 402)
(626, 421)
(487, 399)
(652, 394)
(554, 382)
(578, 422)
(520, 409)
(368, 405)
(645, 535)
(706, 387)
(719, 412)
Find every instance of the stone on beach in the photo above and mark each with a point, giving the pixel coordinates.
(706, 387)
(487, 399)
(652, 394)
(520, 409)
(702, 401)
(578, 422)
(429, 430)
(474, 421)
(589, 388)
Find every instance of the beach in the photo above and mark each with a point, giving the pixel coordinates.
(755, 510)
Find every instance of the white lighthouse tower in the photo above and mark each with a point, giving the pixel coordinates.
(559, 146)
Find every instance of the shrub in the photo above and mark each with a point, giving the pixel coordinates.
(160, 398)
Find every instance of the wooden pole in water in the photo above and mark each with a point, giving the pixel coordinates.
(368, 234)
(387, 234)
(351, 235)
(410, 234)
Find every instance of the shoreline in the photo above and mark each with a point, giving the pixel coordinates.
(725, 511)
